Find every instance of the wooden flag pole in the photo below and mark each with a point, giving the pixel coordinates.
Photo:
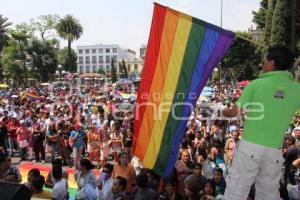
(249, 40)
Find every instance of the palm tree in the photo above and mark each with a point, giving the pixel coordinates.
(70, 29)
(4, 24)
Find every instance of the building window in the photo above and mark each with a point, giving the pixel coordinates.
(87, 51)
(107, 50)
(94, 60)
(107, 59)
(81, 69)
(128, 68)
(93, 50)
(80, 51)
(101, 67)
(114, 58)
(87, 59)
(94, 68)
(107, 68)
(87, 69)
(100, 59)
(115, 50)
(80, 60)
(100, 50)
(135, 68)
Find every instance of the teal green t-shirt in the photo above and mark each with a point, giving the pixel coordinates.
(270, 103)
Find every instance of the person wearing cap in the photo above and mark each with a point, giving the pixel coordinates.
(270, 103)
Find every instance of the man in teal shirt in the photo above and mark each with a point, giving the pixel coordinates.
(269, 103)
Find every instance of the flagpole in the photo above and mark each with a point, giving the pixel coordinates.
(220, 66)
(249, 40)
(221, 13)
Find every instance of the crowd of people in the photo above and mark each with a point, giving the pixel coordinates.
(87, 130)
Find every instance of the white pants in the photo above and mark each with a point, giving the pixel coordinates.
(253, 163)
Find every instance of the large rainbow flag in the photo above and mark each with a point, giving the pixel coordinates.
(181, 54)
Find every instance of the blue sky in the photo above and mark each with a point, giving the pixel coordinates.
(127, 22)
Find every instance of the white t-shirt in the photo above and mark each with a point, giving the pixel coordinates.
(106, 193)
(59, 191)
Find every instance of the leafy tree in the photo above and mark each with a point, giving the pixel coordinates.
(4, 24)
(114, 77)
(26, 28)
(101, 71)
(43, 54)
(279, 27)
(295, 25)
(21, 38)
(243, 58)
(259, 17)
(297, 77)
(282, 23)
(63, 59)
(45, 25)
(4, 28)
(268, 23)
(123, 69)
(69, 29)
(13, 63)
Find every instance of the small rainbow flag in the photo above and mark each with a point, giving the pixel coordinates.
(181, 54)
(34, 97)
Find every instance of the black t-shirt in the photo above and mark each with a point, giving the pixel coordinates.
(3, 134)
(291, 155)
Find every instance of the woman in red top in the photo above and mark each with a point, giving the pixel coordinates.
(104, 137)
(93, 144)
(116, 141)
(22, 138)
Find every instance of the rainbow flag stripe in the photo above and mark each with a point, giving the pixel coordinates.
(181, 54)
(25, 167)
(34, 97)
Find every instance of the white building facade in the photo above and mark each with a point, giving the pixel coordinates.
(92, 58)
